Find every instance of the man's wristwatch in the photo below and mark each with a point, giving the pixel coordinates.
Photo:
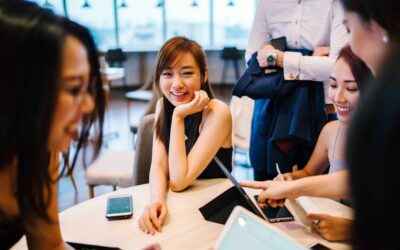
(271, 59)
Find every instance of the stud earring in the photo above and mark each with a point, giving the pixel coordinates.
(385, 37)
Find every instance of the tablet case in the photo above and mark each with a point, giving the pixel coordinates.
(219, 208)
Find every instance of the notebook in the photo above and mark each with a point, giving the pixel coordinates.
(304, 205)
(244, 230)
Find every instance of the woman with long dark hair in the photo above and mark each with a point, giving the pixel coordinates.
(191, 127)
(373, 144)
(50, 93)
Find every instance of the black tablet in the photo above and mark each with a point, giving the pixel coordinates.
(278, 214)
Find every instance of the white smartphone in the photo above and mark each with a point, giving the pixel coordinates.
(119, 207)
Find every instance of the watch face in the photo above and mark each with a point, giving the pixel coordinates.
(271, 59)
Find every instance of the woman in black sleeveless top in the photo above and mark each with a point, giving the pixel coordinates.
(191, 127)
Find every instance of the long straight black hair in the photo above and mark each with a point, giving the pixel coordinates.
(31, 46)
(372, 154)
(173, 50)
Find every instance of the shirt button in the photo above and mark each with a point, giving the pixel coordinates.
(296, 22)
(291, 76)
(296, 43)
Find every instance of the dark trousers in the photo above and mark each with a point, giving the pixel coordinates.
(262, 176)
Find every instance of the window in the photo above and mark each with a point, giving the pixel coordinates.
(140, 25)
(146, 24)
(232, 22)
(98, 16)
(189, 18)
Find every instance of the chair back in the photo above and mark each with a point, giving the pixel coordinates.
(143, 150)
(115, 57)
(230, 53)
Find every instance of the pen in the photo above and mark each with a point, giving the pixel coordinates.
(279, 172)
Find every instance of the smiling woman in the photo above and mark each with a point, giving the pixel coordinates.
(74, 101)
(347, 85)
(50, 86)
(191, 127)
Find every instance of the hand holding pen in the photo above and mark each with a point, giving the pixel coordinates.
(282, 177)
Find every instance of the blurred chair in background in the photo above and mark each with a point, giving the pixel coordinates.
(144, 94)
(230, 54)
(143, 149)
(116, 58)
(242, 113)
(113, 168)
(124, 168)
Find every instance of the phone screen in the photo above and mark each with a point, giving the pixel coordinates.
(119, 206)
(276, 214)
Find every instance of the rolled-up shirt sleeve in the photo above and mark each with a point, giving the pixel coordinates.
(318, 68)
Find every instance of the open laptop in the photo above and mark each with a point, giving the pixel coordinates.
(221, 209)
(244, 230)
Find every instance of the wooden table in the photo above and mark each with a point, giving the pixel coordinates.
(185, 227)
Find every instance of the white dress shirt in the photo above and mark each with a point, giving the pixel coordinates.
(306, 24)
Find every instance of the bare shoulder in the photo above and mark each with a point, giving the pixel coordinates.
(332, 126)
(217, 112)
(330, 129)
(218, 108)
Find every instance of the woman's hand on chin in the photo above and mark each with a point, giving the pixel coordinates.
(198, 104)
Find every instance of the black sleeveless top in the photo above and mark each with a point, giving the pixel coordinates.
(11, 231)
(224, 154)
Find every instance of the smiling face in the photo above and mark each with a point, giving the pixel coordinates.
(179, 81)
(73, 99)
(343, 91)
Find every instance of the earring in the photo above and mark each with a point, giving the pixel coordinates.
(385, 37)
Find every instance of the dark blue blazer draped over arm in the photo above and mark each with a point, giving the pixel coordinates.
(283, 110)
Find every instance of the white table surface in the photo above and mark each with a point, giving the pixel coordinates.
(185, 227)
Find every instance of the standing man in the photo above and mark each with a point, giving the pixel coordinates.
(308, 25)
